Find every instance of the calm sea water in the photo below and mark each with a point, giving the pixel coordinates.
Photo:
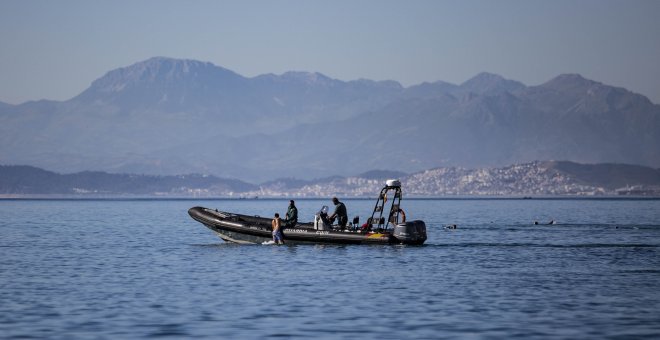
(110, 269)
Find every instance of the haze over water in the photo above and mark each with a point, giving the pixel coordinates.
(144, 269)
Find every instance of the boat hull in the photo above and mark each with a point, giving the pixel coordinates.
(246, 229)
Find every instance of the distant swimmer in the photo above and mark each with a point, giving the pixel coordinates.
(549, 223)
(451, 226)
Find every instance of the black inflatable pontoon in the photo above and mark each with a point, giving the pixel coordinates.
(246, 229)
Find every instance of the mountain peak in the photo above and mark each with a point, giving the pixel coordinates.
(489, 83)
(570, 81)
(158, 70)
(307, 77)
(485, 76)
(157, 65)
(575, 77)
(159, 81)
(596, 93)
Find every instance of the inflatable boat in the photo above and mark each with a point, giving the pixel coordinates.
(380, 228)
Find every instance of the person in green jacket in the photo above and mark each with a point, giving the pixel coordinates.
(340, 213)
(291, 218)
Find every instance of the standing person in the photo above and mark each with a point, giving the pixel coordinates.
(278, 238)
(340, 213)
(291, 218)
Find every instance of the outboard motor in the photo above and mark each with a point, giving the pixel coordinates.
(413, 232)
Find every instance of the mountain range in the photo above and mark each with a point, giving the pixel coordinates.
(166, 116)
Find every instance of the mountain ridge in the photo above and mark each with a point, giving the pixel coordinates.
(167, 116)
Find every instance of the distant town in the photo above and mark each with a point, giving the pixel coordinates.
(533, 179)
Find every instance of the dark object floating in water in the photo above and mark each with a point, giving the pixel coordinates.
(378, 229)
(549, 223)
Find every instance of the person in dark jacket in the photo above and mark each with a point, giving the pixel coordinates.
(340, 213)
(291, 218)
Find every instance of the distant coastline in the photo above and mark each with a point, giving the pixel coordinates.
(284, 198)
(536, 180)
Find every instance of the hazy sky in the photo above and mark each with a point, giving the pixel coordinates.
(55, 49)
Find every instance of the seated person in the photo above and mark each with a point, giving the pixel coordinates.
(291, 218)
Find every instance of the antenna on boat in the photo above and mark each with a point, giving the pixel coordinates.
(395, 203)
